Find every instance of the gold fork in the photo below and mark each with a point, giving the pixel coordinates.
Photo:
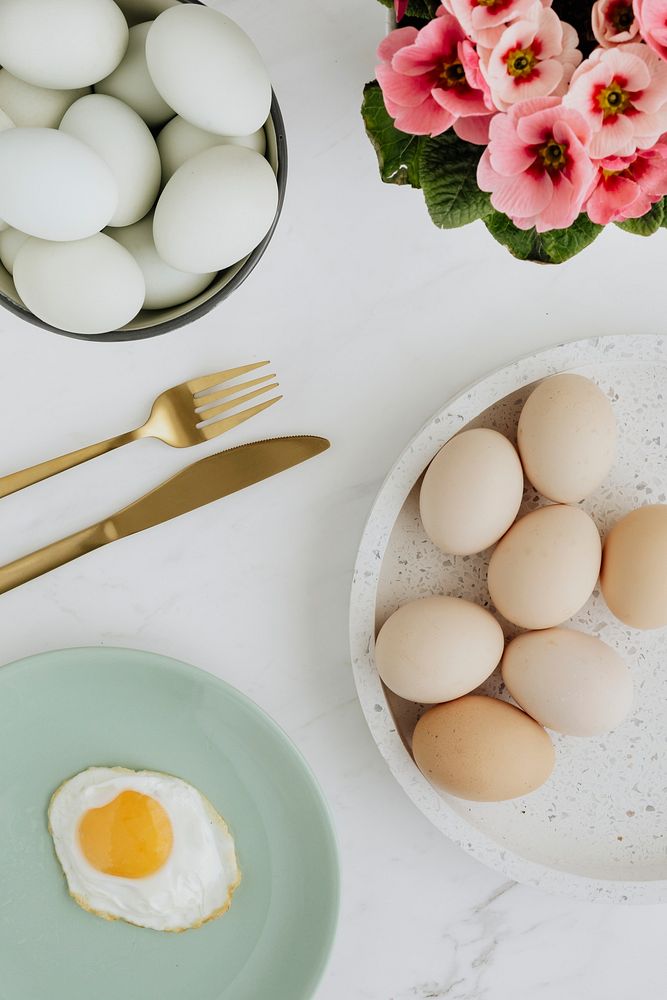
(183, 416)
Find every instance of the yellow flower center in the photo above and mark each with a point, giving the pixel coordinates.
(613, 100)
(553, 156)
(452, 74)
(521, 62)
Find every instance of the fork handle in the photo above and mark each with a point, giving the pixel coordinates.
(19, 480)
(57, 554)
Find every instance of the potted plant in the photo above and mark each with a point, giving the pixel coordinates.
(545, 119)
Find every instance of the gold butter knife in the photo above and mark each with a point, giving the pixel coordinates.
(197, 485)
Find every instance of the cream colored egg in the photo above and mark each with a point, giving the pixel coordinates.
(11, 241)
(438, 648)
(208, 70)
(137, 11)
(35, 107)
(88, 286)
(471, 492)
(61, 44)
(482, 749)
(53, 186)
(568, 681)
(546, 567)
(567, 437)
(132, 83)
(215, 209)
(634, 568)
(179, 141)
(124, 142)
(165, 286)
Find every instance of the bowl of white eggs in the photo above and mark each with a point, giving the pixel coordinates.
(143, 163)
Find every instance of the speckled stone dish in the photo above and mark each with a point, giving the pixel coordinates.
(596, 830)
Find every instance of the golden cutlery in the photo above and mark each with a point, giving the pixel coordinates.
(199, 484)
(177, 418)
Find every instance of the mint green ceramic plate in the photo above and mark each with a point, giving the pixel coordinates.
(62, 712)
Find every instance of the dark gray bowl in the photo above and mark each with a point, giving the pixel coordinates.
(154, 322)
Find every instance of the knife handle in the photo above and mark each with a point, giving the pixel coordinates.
(52, 556)
(28, 477)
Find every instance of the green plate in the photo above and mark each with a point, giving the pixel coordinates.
(62, 712)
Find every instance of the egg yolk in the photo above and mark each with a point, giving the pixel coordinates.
(130, 837)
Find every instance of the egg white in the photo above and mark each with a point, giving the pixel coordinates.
(195, 884)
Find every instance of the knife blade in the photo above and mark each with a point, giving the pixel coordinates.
(195, 486)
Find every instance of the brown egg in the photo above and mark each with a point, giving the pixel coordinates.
(546, 567)
(634, 568)
(567, 437)
(482, 749)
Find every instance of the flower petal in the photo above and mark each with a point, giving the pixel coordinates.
(395, 41)
(523, 195)
(474, 129)
(407, 91)
(426, 119)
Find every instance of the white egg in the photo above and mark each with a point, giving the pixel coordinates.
(165, 286)
(126, 145)
(208, 70)
(131, 82)
(179, 141)
(35, 107)
(11, 241)
(87, 286)
(143, 847)
(64, 44)
(5, 123)
(53, 186)
(136, 11)
(215, 209)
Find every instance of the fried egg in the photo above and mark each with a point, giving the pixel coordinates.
(143, 847)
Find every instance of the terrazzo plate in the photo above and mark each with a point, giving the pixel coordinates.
(62, 712)
(596, 830)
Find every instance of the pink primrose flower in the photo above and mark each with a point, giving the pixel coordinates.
(652, 18)
(537, 166)
(622, 94)
(628, 186)
(535, 57)
(614, 22)
(485, 20)
(430, 79)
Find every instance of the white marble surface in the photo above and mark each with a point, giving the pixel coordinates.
(372, 319)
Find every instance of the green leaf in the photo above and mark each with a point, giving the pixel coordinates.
(562, 244)
(424, 9)
(647, 224)
(448, 174)
(525, 244)
(553, 247)
(397, 152)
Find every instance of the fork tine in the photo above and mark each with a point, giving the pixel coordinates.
(231, 404)
(214, 397)
(196, 385)
(220, 426)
